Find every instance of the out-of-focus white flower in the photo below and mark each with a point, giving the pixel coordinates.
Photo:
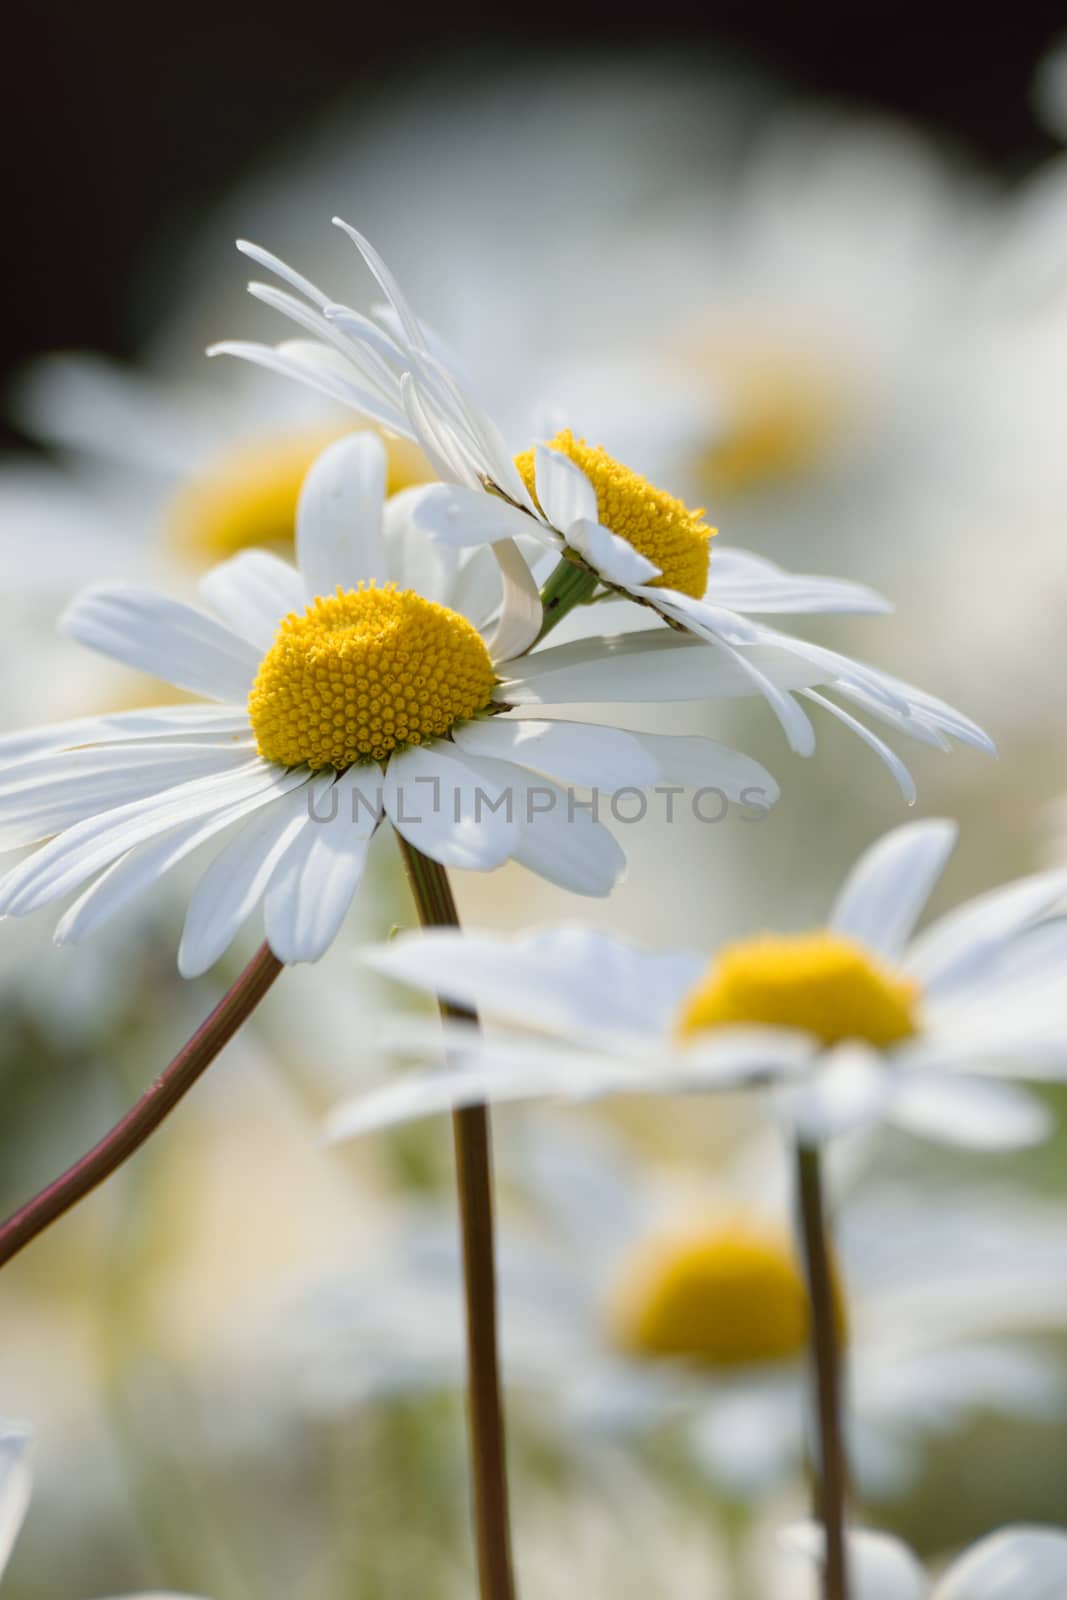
(363, 683)
(1016, 1563)
(614, 532)
(658, 1302)
(912, 1031)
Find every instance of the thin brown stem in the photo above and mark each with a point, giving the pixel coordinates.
(832, 1474)
(154, 1106)
(474, 1186)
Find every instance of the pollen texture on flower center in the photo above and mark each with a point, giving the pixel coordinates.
(818, 982)
(727, 1294)
(363, 672)
(661, 528)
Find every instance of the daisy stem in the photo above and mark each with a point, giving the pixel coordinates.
(568, 586)
(474, 1187)
(154, 1106)
(831, 1476)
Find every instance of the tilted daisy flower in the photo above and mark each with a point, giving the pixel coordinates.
(613, 532)
(373, 679)
(1016, 1563)
(912, 1031)
(655, 1304)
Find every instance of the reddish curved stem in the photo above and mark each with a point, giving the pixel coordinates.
(154, 1106)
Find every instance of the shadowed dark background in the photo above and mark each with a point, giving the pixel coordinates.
(119, 122)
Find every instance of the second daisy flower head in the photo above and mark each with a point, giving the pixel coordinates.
(602, 529)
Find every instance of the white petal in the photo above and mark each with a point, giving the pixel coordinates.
(744, 582)
(312, 889)
(521, 613)
(252, 592)
(585, 754)
(16, 1483)
(848, 1091)
(881, 1567)
(700, 763)
(564, 492)
(884, 895)
(973, 1113)
(454, 808)
(170, 640)
(42, 796)
(563, 841)
(236, 880)
(142, 868)
(614, 558)
(459, 516)
(321, 368)
(568, 978)
(1019, 1563)
(961, 942)
(70, 859)
(905, 781)
(644, 667)
(339, 540)
(191, 723)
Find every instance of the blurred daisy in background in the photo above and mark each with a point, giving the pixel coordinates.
(913, 1031)
(1016, 1563)
(641, 1303)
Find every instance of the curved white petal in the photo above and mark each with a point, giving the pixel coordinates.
(972, 1113)
(564, 493)
(646, 667)
(142, 868)
(614, 558)
(884, 895)
(170, 640)
(339, 540)
(957, 946)
(1019, 1563)
(563, 842)
(585, 754)
(192, 724)
(412, 561)
(460, 516)
(905, 781)
(310, 893)
(45, 795)
(16, 1485)
(699, 763)
(67, 861)
(567, 978)
(453, 807)
(320, 368)
(236, 880)
(252, 592)
(521, 613)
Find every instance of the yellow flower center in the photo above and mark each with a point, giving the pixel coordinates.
(248, 499)
(363, 672)
(722, 1295)
(660, 527)
(818, 982)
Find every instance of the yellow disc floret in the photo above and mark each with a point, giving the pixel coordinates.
(660, 527)
(365, 671)
(727, 1294)
(248, 498)
(821, 983)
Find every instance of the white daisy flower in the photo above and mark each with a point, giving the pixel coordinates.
(613, 532)
(373, 679)
(915, 1031)
(16, 1485)
(659, 1303)
(1016, 1563)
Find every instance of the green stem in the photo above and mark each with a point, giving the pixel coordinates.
(474, 1187)
(832, 1473)
(568, 585)
(157, 1102)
